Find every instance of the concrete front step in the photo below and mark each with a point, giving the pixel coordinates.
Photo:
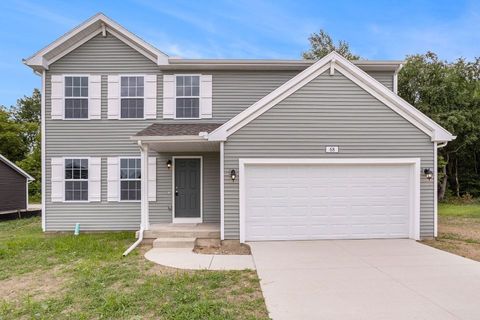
(153, 234)
(174, 243)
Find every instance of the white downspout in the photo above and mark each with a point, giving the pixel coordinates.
(144, 198)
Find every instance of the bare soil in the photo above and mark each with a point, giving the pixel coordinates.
(37, 285)
(224, 247)
(458, 235)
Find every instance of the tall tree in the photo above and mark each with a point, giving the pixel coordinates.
(321, 44)
(449, 93)
(20, 137)
(12, 143)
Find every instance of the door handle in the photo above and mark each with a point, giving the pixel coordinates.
(176, 192)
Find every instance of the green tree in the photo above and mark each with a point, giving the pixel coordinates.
(12, 143)
(322, 44)
(20, 137)
(449, 93)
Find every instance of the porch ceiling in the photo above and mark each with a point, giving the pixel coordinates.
(178, 137)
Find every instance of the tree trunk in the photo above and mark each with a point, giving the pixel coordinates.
(442, 187)
(457, 184)
(475, 161)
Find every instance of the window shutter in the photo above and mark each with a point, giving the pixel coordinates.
(152, 178)
(168, 96)
(206, 96)
(95, 96)
(58, 89)
(113, 179)
(58, 173)
(150, 96)
(113, 97)
(94, 179)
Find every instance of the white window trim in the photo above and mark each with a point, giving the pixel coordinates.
(199, 95)
(120, 96)
(120, 178)
(415, 176)
(64, 180)
(187, 220)
(87, 97)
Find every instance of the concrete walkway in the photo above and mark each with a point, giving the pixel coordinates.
(366, 279)
(185, 258)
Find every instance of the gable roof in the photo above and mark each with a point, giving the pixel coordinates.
(98, 24)
(16, 168)
(334, 61)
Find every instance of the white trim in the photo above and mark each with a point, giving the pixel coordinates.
(187, 220)
(64, 180)
(42, 152)
(435, 189)
(73, 47)
(414, 162)
(120, 96)
(16, 168)
(87, 97)
(395, 78)
(175, 95)
(26, 196)
(222, 190)
(38, 60)
(144, 210)
(120, 178)
(372, 86)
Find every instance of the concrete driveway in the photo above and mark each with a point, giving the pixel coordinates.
(366, 279)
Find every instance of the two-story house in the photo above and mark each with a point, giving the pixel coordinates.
(266, 149)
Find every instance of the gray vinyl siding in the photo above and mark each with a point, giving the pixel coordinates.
(384, 77)
(233, 91)
(330, 110)
(94, 138)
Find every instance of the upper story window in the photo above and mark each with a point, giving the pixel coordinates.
(76, 179)
(132, 97)
(187, 97)
(130, 179)
(76, 97)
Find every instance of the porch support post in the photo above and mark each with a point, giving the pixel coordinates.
(222, 192)
(145, 218)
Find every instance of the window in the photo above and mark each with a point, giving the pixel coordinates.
(76, 97)
(132, 94)
(130, 179)
(187, 97)
(76, 179)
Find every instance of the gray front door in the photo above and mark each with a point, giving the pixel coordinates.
(187, 188)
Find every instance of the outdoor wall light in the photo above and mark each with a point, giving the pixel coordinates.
(169, 164)
(233, 175)
(428, 173)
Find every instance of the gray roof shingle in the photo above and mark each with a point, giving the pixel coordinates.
(177, 129)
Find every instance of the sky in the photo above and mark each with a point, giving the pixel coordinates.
(276, 29)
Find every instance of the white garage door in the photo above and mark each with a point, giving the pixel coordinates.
(327, 201)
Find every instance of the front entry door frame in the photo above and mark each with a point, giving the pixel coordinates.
(187, 220)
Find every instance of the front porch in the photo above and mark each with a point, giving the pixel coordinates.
(186, 183)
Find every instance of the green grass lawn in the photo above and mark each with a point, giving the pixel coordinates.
(61, 276)
(459, 210)
(458, 230)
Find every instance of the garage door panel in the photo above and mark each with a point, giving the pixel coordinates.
(296, 202)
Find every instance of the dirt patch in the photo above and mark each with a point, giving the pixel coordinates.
(223, 247)
(39, 285)
(458, 235)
